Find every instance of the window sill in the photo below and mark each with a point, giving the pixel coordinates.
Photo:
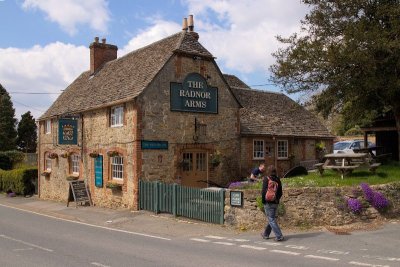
(117, 126)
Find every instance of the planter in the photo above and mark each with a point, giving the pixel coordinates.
(114, 186)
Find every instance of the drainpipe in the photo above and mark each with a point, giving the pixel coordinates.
(38, 161)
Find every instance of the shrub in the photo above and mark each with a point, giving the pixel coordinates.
(19, 180)
(5, 162)
(13, 156)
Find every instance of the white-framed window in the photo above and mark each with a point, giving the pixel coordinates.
(74, 163)
(47, 127)
(258, 149)
(117, 116)
(47, 162)
(283, 149)
(117, 168)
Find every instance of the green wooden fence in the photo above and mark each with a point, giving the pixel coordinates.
(201, 204)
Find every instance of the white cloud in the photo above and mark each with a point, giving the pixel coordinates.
(158, 30)
(241, 33)
(69, 14)
(47, 69)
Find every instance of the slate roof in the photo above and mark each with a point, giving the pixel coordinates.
(123, 79)
(274, 114)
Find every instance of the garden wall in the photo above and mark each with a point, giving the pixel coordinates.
(312, 206)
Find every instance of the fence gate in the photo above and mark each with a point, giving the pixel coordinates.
(201, 204)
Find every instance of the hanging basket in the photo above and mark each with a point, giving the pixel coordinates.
(53, 155)
(94, 154)
(64, 155)
(112, 153)
(45, 173)
(72, 178)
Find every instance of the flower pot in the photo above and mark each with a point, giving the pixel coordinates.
(94, 154)
(114, 186)
(53, 156)
(112, 153)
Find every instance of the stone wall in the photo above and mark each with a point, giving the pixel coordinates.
(306, 207)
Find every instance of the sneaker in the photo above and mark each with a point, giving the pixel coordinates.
(264, 236)
(279, 239)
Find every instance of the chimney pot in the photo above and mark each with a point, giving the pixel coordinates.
(103, 40)
(101, 53)
(184, 24)
(96, 39)
(191, 23)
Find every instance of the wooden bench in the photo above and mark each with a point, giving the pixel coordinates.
(343, 170)
(319, 167)
(373, 167)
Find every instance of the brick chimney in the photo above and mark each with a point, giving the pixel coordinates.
(190, 27)
(101, 53)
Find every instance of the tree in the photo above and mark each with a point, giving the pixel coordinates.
(8, 122)
(27, 133)
(347, 57)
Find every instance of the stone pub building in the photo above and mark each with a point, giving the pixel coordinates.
(164, 112)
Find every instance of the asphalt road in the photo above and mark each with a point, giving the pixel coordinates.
(30, 239)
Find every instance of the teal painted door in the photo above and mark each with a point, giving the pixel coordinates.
(98, 171)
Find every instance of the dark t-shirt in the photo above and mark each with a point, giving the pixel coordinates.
(256, 172)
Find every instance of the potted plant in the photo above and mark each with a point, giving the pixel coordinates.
(215, 159)
(94, 154)
(114, 185)
(112, 153)
(53, 155)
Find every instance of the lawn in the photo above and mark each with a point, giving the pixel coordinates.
(387, 173)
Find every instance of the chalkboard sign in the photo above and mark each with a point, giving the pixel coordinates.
(236, 198)
(78, 192)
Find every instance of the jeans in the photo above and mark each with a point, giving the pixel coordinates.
(270, 211)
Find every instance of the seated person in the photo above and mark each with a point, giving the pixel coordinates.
(257, 173)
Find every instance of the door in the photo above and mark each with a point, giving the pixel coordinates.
(195, 169)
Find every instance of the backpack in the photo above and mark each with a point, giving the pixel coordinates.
(272, 188)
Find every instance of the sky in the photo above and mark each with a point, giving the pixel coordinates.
(44, 44)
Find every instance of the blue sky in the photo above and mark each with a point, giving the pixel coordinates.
(44, 43)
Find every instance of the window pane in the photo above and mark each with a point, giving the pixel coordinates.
(258, 149)
(187, 161)
(117, 167)
(201, 161)
(117, 115)
(47, 163)
(75, 160)
(283, 149)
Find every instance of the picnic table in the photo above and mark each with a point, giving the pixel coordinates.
(345, 163)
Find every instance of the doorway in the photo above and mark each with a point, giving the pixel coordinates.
(195, 168)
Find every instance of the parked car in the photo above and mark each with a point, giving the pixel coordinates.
(348, 146)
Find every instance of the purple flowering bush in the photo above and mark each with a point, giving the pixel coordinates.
(235, 185)
(354, 205)
(368, 192)
(376, 199)
(379, 201)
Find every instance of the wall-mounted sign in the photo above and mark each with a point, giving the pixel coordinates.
(236, 198)
(67, 132)
(194, 95)
(154, 144)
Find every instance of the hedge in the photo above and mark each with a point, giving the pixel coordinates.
(18, 181)
(9, 158)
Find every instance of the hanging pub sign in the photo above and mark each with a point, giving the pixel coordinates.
(67, 132)
(194, 95)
